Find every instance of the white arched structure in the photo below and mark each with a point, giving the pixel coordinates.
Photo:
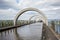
(38, 17)
(25, 10)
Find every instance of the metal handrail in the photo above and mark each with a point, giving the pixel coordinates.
(53, 32)
(49, 34)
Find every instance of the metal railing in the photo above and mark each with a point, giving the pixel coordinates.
(49, 34)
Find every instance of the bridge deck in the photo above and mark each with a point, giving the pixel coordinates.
(28, 32)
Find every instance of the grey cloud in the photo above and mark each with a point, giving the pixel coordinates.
(6, 5)
(53, 14)
(56, 4)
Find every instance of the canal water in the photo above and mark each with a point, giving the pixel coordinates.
(28, 32)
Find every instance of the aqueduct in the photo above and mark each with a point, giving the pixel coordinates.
(29, 9)
(47, 32)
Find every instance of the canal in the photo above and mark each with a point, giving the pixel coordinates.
(27, 32)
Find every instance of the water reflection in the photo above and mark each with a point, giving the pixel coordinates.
(8, 35)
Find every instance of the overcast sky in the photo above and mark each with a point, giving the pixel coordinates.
(9, 8)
